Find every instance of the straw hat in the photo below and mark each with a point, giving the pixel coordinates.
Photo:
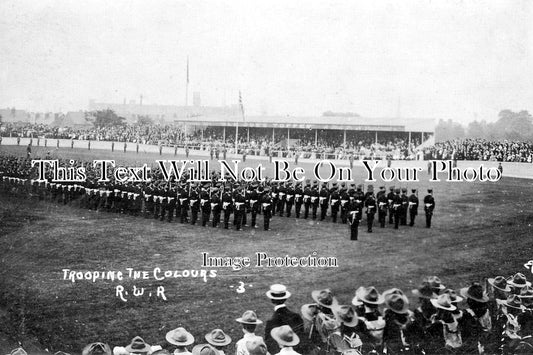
(278, 292)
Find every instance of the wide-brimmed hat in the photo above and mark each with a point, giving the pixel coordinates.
(18, 351)
(309, 311)
(285, 336)
(512, 301)
(435, 282)
(345, 314)
(397, 303)
(526, 292)
(180, 337)
(392, 291)
(278, 292)
(453, 295)
(249, 317)
(204, 349)
(369, 295)
(500, 283)
(518, 280)
(475, 292)
(217, 337)
(96, 349)
(256, 346)
(137, 346)
(424, 291)
(324, 298)
(443, 302)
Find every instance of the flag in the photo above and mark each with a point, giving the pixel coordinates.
(241, 105)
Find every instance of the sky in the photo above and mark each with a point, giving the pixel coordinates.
(449, 59)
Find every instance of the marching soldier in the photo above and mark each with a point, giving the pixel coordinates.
(413, 207)
(397, 207)
(289, 199)
(315, 198)
(195, 204)
(359, 198)
(345, 198)
(227, 205)
(266, 204)
(215, 206)
(240, 203)
(254, 204)
(282, 192)
(307, 199)
(298, 199)
(429, 206)
(404, 207)
(390, 200)
(353, 218)
(382, 206)
(184, 205)
(370, 204)
(274, 195)
(205, 205)
(324, 201)
(334, 202)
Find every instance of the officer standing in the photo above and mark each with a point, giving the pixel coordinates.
(315, 198)
(227, 205)
(298, 199)
(345, 198)
(266, 204)
(413, 207)
(370, 204)
(307, 198)
(289, 199)
(335, 202)
(353, 218)
(405, 207)
(240, 202)
(429, 206)
(205, 205)
(397, 207)
(254, 203)
(382, 206)
(390, 200)
(195, 204)
(215, 206)
(324, 201)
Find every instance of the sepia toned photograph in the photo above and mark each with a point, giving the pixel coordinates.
(266, 177)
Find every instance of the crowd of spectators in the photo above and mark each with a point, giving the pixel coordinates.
(481, 149)
(491, 318)
(256, 141)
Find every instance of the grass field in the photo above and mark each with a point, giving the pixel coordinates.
(480, 230)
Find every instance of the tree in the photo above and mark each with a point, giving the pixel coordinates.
(514, 125)
(105, 118)
(144, 120)
(448, 130)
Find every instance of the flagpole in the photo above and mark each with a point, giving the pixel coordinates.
(237, 125)
(187, 85)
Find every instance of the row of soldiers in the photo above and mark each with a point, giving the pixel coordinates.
(208, 203)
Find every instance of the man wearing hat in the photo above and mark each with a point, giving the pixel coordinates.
(346, 336)
(413, 207)
(289, 199)
(256, 346)
(397, 207)
(216, 206)
(298, 199)
(96, 349)
(286, 339)
(508, 324)
(390, 200)
(476, 321)
(401, 332)
(267, 205)
(181, 338)
(371, 206)
(138, 346)
(426, 309)
(335, 202)
(353, 218)
(204, 349)
(315, 198)
(324, 201)
(227, 205)
(255, 203)
(307, 198)
(405, 207)
(371, 316)
(429, 206)
(444, 332)
(345, 198)
(249, 322)
(218, 339)
(278, 294)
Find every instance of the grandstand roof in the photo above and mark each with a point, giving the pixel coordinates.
(319, 122)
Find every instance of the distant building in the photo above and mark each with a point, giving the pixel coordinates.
(168, 113)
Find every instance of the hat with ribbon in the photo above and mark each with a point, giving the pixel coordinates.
(398, 303)
(435, 283)
(346, 315)
(324, 298)
(443, 302)
(217, 337)
(424, 291)
(180, 337)
(475, 292)
(512, 301)
(204, 349)
(285, 336)
(278, 292)
(96, 349)
(369, 295)
(500, 283)
(138, 346)
(249, 317)
(256, 346)
(453, 295)
(518, 280)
